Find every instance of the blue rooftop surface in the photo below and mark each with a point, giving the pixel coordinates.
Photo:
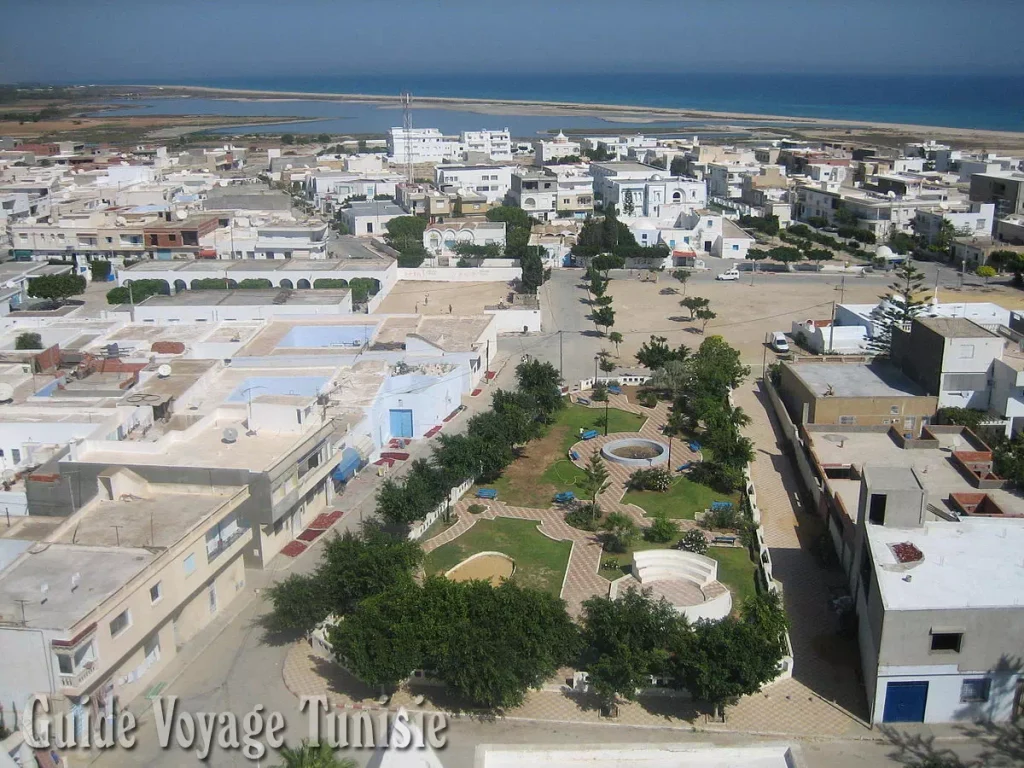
(257, 386)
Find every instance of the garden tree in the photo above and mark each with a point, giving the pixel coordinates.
(845, 217)
(595, 481)
(330, 283)
(902, 304)
(140, 291)
(351, 568)
(693, 303)
(100, 269)
(674, 376)
(785, 254)
(717, 367)
(28, 340)
(255, 282)
(362, 288)
(474, 250)
(493, 644)
(683, 276)
(655, 353)
(986, 272)
(308, 755)
(606, 262)
(533, 274)
(694, 541)
(606, 365)
(662, 529)
(1008, 458)
(769, 225)
(543, 383)
(619, 532)
(705, 316)
(521, 414)
(57, 288)
(381, 642)
(626, 640)
(718, 476)
(678, 166)
(819, 254)
(730, 448)
(324, 138)
(287, 138)
(495, 442)
(598, 285)
(615, 338)
(724, 660)
(603, 301)
(966, 417)
(944, 237)
(405, 235)
(413, 497)
(1011, 261)
(517, 229)
(604, 317)
(458, 456)
(901, 242)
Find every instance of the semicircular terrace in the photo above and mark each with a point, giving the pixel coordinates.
(687, 580)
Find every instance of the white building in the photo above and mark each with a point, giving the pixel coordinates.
(701, 231)
(370, 218)
(329, 189)
(725, 180)
(550, 151)
(495, 144)
(427, 145)
(441, 240)
(491, 181)
(967, 219)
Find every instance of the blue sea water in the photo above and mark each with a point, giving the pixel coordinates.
(958, 101)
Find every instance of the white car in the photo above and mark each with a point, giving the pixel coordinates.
(731, 274)
(779, 342)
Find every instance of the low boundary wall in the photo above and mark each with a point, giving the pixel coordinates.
(460, 274)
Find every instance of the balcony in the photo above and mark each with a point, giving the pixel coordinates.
(218, 546)
(77, 679)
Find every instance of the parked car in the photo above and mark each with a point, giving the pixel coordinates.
(779, 342)
(730, 274)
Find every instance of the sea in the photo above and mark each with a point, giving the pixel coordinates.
(994, 102)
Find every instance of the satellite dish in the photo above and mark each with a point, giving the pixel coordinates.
(163, 371)
(181, 215)
(230, 435)
(6, 392)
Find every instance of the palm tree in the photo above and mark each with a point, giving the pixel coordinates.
(615, 338)
(738, 418)
(313, 756)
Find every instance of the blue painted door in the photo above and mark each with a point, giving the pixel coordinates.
(401, 423)
(905, 702)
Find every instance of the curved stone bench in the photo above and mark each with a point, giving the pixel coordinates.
(658, 564)
(714, 609)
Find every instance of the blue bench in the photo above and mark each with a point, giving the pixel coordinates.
(720, 505)
(487, 493)
(615, 389)
(590, 434)
(684, 466)
(574, 456)
(565, 497)
(582, 401)
(694, 446)
(724, 540)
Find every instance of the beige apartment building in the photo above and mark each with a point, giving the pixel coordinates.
(97, 604)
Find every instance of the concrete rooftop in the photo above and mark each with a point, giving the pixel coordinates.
(956, 328)
(103, 571)
(855, 380)
(248, 298)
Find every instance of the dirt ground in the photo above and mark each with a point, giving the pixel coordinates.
(77, 125)
(746, 313)
(434, 298)
(492, 568)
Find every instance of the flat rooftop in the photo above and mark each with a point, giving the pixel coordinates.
(102, 571)
(629, 166)
(260, 265)
(639, 755)
(453, 334)
(956, 328)
(160, 518)
(248, 298)
(966, 565)
(878, 451)
(856, 380)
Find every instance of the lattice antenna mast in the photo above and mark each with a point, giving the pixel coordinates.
(410, 172)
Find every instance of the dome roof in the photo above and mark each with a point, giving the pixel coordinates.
(884, 252)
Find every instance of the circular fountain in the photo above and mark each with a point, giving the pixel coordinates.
(636, 452)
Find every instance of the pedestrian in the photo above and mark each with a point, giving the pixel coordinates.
(417, 309)
(449, 309)
(426, 299)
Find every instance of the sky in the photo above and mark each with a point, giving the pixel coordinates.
(133, 41)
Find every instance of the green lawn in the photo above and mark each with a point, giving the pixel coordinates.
(616, 564)
(544, 469)
(737, 571)
(540, 561)
(681, 501)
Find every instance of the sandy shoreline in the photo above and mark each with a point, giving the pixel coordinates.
(604, 111)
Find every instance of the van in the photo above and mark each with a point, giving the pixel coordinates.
(779, 342)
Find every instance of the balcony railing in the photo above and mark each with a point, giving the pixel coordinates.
(77, 678)
(219, 545)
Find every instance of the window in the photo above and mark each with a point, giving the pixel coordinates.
(156, 592)
(189, 564)
(894, 410)
(947, 641)
(848, 420)
(975, 690)
(66, 668)
(120, 623)
(876, 508)
(16, 455)
(966, 351)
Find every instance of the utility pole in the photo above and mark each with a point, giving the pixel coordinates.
(606, 415)
(832, 330)
(22, 604)
(117, 534)
(560, 372)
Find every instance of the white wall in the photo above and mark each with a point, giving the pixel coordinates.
(29, 666)
(215, 313)
(944, 682)
(461, 275)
